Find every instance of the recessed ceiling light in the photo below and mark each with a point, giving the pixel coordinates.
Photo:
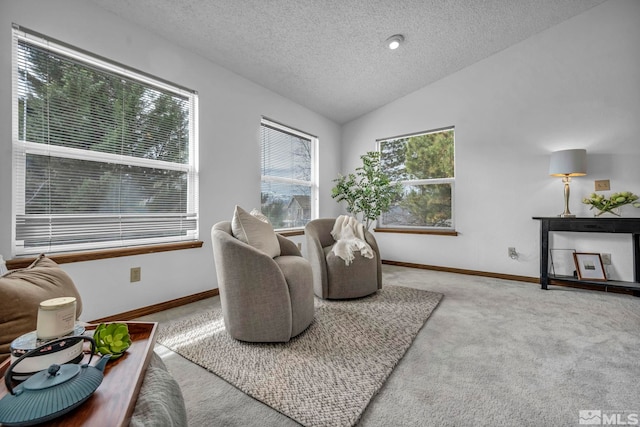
(394, 41)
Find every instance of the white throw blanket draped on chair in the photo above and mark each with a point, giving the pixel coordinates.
(349, 236)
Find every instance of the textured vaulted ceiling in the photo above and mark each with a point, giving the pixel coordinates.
(328, 55)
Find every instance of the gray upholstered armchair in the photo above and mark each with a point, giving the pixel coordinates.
(263, 299)
(332, 278)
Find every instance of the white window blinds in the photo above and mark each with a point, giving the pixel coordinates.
(103, 156)
(288, 185)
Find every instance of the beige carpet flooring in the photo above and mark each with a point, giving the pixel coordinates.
(323, 377)
(494, 353)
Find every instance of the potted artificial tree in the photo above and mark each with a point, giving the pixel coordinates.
(369, 192)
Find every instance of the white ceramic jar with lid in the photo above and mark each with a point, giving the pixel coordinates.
(56, 318)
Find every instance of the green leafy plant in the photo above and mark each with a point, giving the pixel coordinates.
(607, 204)
(369, 191)
(112, 338)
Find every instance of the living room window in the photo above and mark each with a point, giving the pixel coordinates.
(424, 164)
(103, 156)
(288, 184)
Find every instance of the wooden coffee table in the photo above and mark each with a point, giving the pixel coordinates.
(113, 402)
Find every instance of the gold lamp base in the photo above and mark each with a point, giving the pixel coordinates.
(566, 214)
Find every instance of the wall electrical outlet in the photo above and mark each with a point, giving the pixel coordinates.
(134, 275)
(603, 185)
(606, 259)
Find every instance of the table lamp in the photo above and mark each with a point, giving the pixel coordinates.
(568, 163)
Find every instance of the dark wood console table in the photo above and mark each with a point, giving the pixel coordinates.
(589, 225)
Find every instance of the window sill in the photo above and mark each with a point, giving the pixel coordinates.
(289, 233)
(416, 231)
(108, 253)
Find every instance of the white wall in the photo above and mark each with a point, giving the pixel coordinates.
(230, 110)
(573, 86)
(576, 85)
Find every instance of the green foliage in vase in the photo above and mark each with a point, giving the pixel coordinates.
(112, 338)
(369, 192)
(607, 204)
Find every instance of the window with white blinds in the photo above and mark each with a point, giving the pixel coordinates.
(103, 156)
(288, 184)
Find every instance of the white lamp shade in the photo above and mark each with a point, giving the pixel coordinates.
(568, 163)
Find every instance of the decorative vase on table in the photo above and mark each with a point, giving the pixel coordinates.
(611, 206)
(610, 213)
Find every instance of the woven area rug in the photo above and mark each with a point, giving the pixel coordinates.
(327, 375)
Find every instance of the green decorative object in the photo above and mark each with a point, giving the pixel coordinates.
(369, 192)
(112, 338)
(612, 203)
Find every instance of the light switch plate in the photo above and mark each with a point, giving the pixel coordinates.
(603, 185)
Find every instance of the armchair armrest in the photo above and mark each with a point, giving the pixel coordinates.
(316, 256)
(287, 247)
(371, 240)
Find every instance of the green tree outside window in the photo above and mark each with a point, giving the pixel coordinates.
(424, 164)
(102, 153)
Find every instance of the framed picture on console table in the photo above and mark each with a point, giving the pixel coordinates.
(589, 266)
(562, 262)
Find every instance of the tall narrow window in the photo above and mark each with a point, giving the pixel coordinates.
(103, 156)
(288, 184)
(424, 164)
